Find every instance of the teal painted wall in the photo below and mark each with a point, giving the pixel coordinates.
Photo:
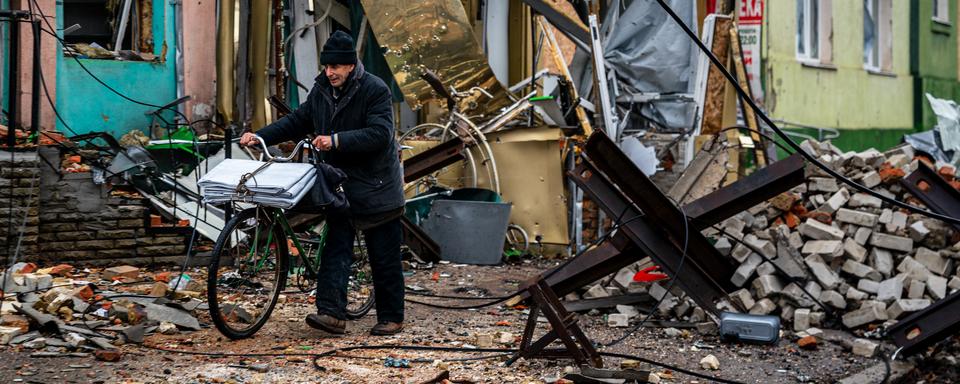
(869, 109)
(88, 106)
(934, 60)
(4, 56)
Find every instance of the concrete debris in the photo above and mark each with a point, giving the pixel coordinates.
(710, 362)
(65, 307)
(864, 347)
(821, 242)
(618, 320)
(121, 272)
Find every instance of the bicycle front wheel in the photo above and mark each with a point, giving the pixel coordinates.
(247, 272)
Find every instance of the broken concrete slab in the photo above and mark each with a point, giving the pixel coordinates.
(163, 313)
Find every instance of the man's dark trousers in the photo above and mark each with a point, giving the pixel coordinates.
(383, 248)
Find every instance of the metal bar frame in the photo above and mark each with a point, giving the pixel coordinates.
(924, 328)
(937, 194)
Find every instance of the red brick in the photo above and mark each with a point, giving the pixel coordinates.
(61, 270)
(948, 173)
(822, 217)
(162, 276)
(808, 342)
(791, 220)
(107, 355)
(84, 293)
(889, 175)
(29, 268)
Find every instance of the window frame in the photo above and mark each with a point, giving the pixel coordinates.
(941, 11)
(873, 61)
(808, 34)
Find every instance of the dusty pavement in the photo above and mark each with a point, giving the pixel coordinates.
(287, 334)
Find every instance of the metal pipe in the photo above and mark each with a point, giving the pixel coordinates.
(13, 90)
(35, 96)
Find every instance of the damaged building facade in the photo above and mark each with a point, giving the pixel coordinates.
(601, 133)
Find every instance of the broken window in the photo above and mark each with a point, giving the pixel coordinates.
(877, 39)
(941, 11)
(814, 31)
(108, 27)
(808, 40)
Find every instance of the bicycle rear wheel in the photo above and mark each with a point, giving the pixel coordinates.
(247, 272)
(360, 297)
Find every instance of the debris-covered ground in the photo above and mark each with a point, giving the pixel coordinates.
(836, 267)
(496, 327)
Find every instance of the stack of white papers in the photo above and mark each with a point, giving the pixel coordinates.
(279, 185)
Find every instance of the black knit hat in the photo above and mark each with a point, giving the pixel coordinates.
(338, 50)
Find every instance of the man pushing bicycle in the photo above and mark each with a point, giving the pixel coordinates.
(351, 113)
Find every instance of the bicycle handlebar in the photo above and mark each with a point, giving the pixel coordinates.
(281, 159)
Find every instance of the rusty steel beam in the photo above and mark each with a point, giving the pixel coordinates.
(419, 242)
(760, 186)
(924, 328)
(618, 251)
(608, 257)
(650, 234)
(433, 159)
(933, 191)
(659, 210)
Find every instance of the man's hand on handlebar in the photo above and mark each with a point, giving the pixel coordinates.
(323, 143)
(248, 139)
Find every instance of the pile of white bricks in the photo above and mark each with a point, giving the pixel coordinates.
(866, 260)
(863, 258)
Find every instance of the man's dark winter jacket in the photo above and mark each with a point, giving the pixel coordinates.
(365, 148)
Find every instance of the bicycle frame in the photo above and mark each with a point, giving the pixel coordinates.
(277, 217)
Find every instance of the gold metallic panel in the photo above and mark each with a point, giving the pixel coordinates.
(530, 165)
(434, 35)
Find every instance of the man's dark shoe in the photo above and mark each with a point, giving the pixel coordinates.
(327, 323)
(386, 328)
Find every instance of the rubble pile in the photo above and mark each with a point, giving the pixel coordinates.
(58, 310)
(825, 243)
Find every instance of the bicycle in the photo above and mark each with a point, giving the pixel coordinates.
(251, 262)
(473, 134)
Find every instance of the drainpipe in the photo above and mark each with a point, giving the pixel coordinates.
(178, 67)
(35, 96)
